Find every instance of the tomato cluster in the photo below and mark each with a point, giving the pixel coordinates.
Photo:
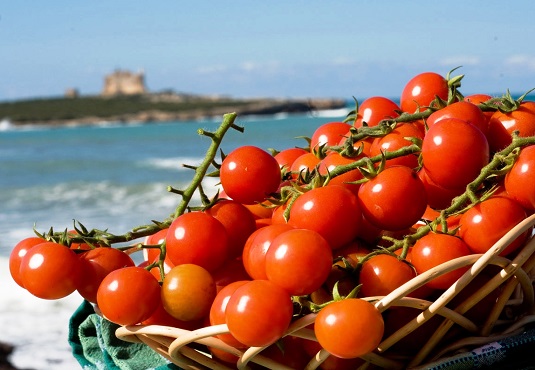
(371, 202)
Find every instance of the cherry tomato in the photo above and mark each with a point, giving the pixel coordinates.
(49, 270)
(374, 109)
(395, 199)
(286, 157)
(17, 253)
(502, 125)
(188, 291)
(303, 164)
(185, 244)
(478, 99)
(454, 152)
(395, 140)
(218, 308)
(434, 249)
(421, 90)
(237, 220)
(383, 273)
(256, 247)
(95, 265)
(249, 174)
(258, 313)
(463, 110)
(128, 296)
(438, 197)
(328, 134)
(162, 317)
(231, 271)
(312, 347)
(299, 261)
(349, 328)
(520, 180)
(332, 211)
(333, 160)
(152, 255)
(364, 145)
(485, 223)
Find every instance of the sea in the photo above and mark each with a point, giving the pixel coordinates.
(108, 175)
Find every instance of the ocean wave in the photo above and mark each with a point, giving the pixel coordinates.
(174, 163)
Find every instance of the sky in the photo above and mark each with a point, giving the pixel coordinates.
(240, 48)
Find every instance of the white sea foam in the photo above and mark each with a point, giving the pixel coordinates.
(174, 163)
(37, 328)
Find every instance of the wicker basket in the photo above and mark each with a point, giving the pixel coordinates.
(516, 302)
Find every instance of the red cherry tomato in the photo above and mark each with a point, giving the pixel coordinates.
(256, 247)
(126, 288)
(49, 270)
(464, 111)
(395, 140)
(218, 308)
(299, 261)
(485, 223)
(335, 159)
(286, 157)
(421, 90)
(374, 109)
(249, 174)
(258, 313)
(349, 328)
(520, 180)
(185, 244)
(434, 249)
(237, 220)
(332, 211)
(18, 253)
(502, 125)
(328, 134)
(438, 197)
(95, 265)
(454, 152)
(395, 199)
(383, 273)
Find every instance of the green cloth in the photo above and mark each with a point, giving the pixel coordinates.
(95, 346)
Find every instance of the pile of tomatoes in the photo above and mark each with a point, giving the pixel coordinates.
(374, 200)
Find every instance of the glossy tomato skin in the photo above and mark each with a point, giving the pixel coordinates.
(249, 174)
(434, 249)
(256, 248)
(188, 291)
(299, 261)
(238, 221)
(383, 273)
(520, 180)
(303, 164)
(49, 270)
(328, 134)
(464, 111)
(421, 90)
(393, 200)
(95, 265)
(397, 139)
(349, 328)
(258, 313)
(438, 197)
(218, 308)
(502, 125)
(374, 109)
(128, 296)
(332, 211)
(335, 159)
(286, 157)
(17, 253)
(454, 152)
(485, 223)
(185, 244)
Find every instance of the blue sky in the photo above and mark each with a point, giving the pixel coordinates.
(269, 48)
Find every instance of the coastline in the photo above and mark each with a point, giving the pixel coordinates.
(190, 111)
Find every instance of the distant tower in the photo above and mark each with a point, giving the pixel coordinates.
(123, 82)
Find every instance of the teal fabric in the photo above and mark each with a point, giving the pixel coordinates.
(95, 346)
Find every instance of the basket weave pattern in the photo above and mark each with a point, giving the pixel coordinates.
(514, 308)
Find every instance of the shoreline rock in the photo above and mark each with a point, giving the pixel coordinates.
(5, 351)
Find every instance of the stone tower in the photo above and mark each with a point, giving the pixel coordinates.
(123, 82)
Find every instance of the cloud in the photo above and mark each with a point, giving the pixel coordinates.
(460, 60)
(521, 62)
(211, 69)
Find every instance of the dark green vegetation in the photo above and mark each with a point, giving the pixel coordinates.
(61, 109)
